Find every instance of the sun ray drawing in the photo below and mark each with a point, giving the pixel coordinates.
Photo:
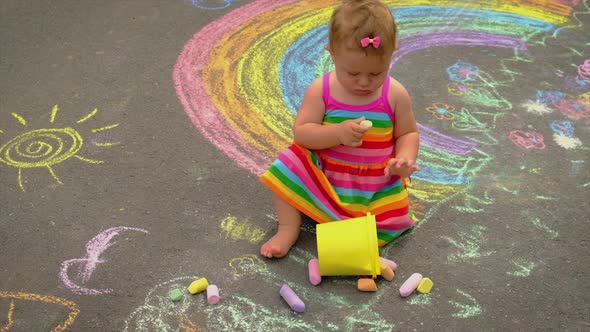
(46, 147)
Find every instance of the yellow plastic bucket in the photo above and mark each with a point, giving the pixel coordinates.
(348, 247)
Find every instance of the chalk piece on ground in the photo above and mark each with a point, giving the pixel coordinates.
(175, 295)
(387, 273)
(314, 272)
(198, 286)
(292, 299)
(367, 123)
(425, 285)
(212, 294)
(389, 262)
(367, 285)
(409, 286)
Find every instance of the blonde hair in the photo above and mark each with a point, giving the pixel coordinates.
(354, 20)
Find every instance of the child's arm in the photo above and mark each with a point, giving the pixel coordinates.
(405, 133)
(309, 131)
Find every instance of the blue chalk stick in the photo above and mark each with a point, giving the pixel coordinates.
(292, 299)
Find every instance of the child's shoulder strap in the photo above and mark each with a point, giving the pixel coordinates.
(326, 88)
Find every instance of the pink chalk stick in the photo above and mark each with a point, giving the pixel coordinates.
(314, 272)
(213, 294)
(389, 262)
(292, 299)
(409, 286)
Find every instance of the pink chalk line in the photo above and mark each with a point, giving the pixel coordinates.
(87, 264)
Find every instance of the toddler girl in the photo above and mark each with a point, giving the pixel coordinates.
(341, 166)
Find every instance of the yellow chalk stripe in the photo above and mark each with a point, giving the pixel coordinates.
(53, 175)
(8, 325)
(105, 128)
(106, 144)
(241, 230)
(54, 111)
(19, 118)
(90, 161)
(88, 116)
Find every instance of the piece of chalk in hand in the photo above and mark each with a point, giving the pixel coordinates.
(198, 286)
(314, 272)
(292, 299)
(425, 285)
(366, 123)
(212, 294)
(175, 295)
(409, 286)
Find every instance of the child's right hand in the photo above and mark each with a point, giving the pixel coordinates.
(350, 132)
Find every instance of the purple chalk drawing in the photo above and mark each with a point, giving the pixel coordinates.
(87, 264)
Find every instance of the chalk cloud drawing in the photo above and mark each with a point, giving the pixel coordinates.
(47, 147)
(87, 265)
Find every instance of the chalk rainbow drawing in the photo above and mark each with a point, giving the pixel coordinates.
(87, 265)
(47, 147)
(241, 78)
(22, 297)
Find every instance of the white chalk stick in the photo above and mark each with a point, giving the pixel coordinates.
(366, 123)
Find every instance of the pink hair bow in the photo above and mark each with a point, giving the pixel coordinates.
(367, 41)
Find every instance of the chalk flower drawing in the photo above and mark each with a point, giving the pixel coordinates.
(458, 89)
(536, 107)
(47, 147)
(564, 128)
(527, 139)
(567, 142)
(549, 97)
(441, 111)
(463, 71)
(574, 109)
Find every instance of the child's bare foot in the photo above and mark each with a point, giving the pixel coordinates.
(279, 245)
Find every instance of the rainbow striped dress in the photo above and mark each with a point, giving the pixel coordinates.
(346, 182)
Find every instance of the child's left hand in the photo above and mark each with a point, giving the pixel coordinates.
(401, 166)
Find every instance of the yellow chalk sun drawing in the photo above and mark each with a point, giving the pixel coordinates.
(47, 147)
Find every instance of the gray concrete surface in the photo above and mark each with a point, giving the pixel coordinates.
(147, 198)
